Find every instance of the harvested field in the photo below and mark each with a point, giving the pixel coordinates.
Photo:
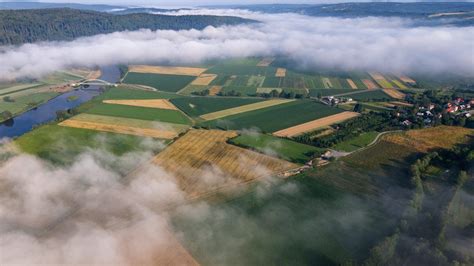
(380, 79)
(406, 79)
(185, 71)
(244, 108)
(352, 84)
(203, 163)
(156, 103)
(376, 75)
(399, 84)
(154, 133)
(369, 84)
(424, 140)
(315, 124)
(204, 79)
(394, 94)
(214, 90)
(327, 83)
(280, 73)
(266, 62)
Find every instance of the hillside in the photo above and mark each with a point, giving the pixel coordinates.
(27, 26)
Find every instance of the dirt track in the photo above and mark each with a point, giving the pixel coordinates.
(315, 124)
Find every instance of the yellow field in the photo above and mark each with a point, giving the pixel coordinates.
(394, 93)
(214, 90)
(327, 83)
(315, 124)
(186, 71)
(155, 103)
(202, 162)
(424, 140)
(266, 62)
(280, 73)
(376, 75)
(399, 84)
(352, 84)
(406, 79)
(125, 126)
(204, 79)
(243, 108)
(369, 84)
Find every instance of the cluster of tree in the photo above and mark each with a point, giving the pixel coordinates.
(282, 94)
(201, 93)
(27, 26)
(65, 114)
(420, 238)
(5, 115)
(8, 99)
(372, 121)
(230, 93)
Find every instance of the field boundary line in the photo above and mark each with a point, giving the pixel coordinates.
(244, 109)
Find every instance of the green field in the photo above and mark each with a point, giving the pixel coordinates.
(328, 92)
(24, 103)
(62, 145)
(125, 93)
(302, 221)
(372, 95)
(142, 113)
(196, 106)
(162, 82)
(356, 143)
(283, 148)
(241, 70)
(276, 117)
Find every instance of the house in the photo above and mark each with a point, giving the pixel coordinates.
(407, 123)
(420, 114)
(431, 107)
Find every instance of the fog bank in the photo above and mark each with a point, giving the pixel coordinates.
(382, 44)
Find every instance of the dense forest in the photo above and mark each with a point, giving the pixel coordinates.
(27, 26)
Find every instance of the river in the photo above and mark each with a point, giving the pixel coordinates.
(47, 112)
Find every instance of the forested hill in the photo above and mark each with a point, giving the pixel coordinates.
(27, 26)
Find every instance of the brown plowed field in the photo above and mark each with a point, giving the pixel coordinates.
(406, 79)
(266, 62)
(352, 84)
(280, 73)
(369, 84)
(214, 90)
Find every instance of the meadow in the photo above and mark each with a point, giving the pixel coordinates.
(283, 148)
(357, 143)
(276, 117)
(162, 82)
(196, 106)
(61, 145)
(143, 113)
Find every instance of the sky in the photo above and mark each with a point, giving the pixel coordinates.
(211, 2)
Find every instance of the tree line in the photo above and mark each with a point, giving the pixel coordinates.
(28, 26)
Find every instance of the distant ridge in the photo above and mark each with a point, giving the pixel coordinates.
(33, 25)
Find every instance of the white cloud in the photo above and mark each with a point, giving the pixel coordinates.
(383, 44)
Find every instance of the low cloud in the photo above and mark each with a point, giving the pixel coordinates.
(382, 44)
